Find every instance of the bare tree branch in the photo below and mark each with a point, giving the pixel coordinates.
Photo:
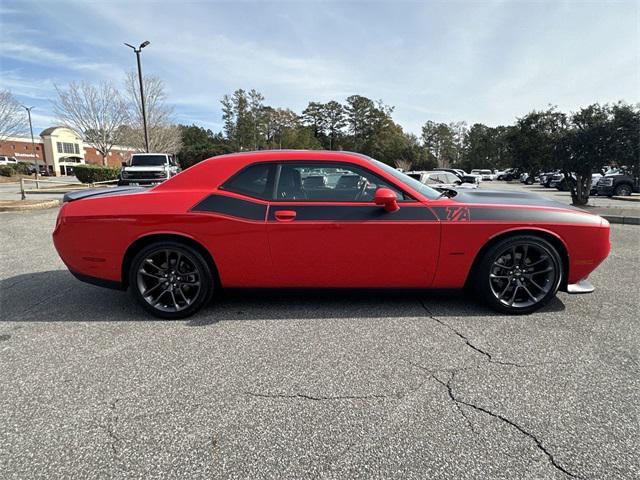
(96, 112)
(164, 135)
(12, 117)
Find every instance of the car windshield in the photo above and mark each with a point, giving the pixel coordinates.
(407, 180)
(148, 160)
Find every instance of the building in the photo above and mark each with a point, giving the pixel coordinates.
(60, 149)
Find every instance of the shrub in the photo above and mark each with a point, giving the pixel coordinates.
(95, 173)
(7, 170)
(24, 168)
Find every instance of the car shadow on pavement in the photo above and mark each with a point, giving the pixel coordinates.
(56, 296)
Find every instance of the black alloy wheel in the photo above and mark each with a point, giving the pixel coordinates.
(519, 274)
(623, 190)
(170, 280)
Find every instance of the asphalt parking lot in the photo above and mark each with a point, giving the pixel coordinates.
(313, 385)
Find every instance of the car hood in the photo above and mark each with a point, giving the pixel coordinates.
(145, 168)
(508, 197)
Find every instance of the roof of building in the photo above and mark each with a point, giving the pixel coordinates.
(50, 130)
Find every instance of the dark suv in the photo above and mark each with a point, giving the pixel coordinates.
(619, 184)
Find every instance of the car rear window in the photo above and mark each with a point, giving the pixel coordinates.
(253, 181)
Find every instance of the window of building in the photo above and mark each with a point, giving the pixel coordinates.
(69, 147)
(59, 147)
(76, 148)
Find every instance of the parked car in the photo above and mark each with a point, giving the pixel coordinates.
(148, 169)
(545, 178)
(529, 178)
(559, 181)
(507, 174)
(440, 179)
(619, 184)
(248, 220)
(485, 174)
(462, 175)
(4, 160)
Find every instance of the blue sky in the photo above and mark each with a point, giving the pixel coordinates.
(478, 61)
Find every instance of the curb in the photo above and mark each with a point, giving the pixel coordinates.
(22, 207)
(622, 220)
(627, 199)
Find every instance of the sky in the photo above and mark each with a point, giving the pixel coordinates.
(473, 61)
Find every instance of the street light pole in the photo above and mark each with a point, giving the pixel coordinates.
(33, 145)
(144, 115)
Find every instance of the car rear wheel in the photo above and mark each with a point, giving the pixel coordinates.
(170, 280)
(623, 190)
(519, 274)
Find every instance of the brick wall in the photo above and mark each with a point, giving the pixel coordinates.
(114, 159)
(22, 150)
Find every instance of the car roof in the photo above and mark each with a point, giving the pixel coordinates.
(144, 154)
(266, 155)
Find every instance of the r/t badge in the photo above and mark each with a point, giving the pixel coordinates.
(458, 214)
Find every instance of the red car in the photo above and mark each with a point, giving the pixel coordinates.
(314, 219)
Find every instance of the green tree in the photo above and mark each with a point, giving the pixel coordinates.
(238, 120)
(335, 122)
(531, 140)
(199, 144)
(486, 147)
(443, 142)
(314, 117)
(583, 148)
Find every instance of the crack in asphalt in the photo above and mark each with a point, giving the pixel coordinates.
(458, 402)
(471, 345)
(521, 429)
(111, 425)
(304, 396)
(448, 387)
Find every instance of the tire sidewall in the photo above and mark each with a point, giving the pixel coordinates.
(206, 276)
(627, 190)
(482, 282)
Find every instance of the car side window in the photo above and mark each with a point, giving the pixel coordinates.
(253, 181)
(326, 182)
(451, 178)
(432, 179)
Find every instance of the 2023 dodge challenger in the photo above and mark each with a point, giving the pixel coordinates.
(277, 219)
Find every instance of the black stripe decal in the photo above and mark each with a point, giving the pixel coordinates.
(471, 214)
(350, 213)
(234, 207)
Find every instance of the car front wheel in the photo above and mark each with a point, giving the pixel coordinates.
(519, 274)
(623, 190)
(170, 280)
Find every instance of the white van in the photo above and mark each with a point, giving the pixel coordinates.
(8, 160)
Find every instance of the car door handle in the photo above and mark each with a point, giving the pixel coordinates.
(285, 215)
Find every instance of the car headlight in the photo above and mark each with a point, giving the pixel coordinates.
(125, 174)
(607, 182)
(161, 174)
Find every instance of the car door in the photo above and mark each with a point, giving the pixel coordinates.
(329, 233)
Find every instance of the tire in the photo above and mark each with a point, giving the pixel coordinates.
(522, 286)
(623, 190)
(122, 183)
(194, 280)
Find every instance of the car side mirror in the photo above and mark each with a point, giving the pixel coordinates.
(387, 198)
(124, 164)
